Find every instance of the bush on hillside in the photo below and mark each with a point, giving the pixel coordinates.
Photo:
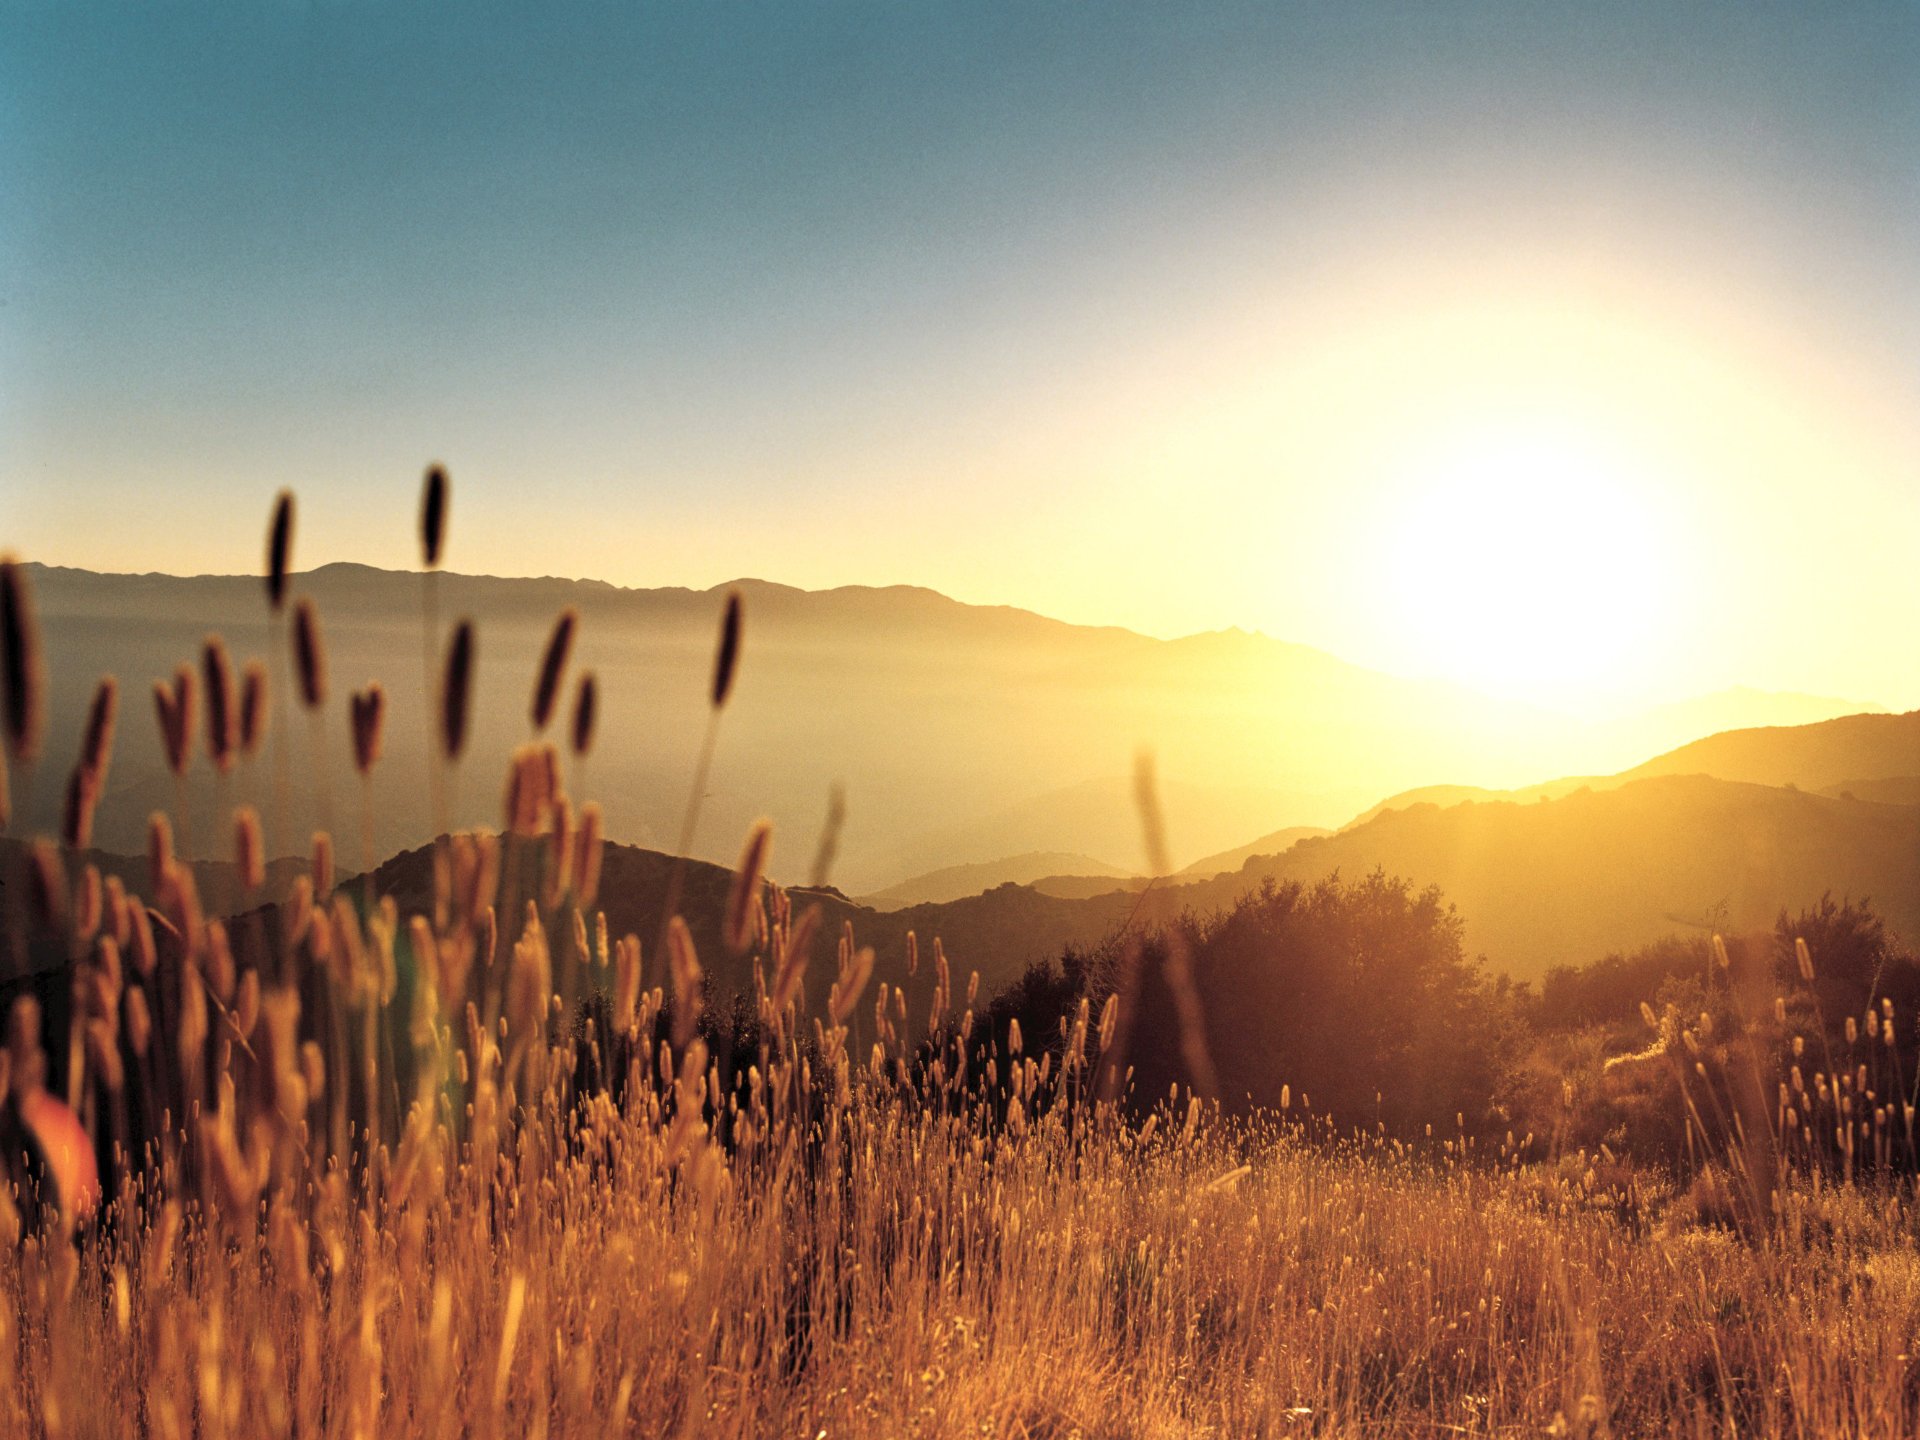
(1356, 999)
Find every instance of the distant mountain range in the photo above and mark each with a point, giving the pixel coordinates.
(962, 733)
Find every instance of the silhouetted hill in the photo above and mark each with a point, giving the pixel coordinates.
(998, 933)
(957, 881)
(23, 949)
(1831, 753)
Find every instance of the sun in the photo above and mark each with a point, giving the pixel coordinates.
(1529, 559)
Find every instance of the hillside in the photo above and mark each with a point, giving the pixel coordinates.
(998, 934)
(1832, 753)
(1568, 879)
(1538, 883)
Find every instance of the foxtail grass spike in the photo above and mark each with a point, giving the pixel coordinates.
(96, 751)
(321, 865)
(744, 897)
(585, 705)
(433, 515)
(586, 866)
(829, 845)
(684, 964)
(456, 688)
(249, 850)
(216, 672)
(76, 829)
(553, 666)
(22, 667)
(174, 706)
(310, 654)
(279, 549)
(727, 658)
(253, 708)
(368, 710)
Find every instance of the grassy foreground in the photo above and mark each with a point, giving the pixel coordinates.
(952, 1283)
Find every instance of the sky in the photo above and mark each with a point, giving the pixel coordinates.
(1572, 352)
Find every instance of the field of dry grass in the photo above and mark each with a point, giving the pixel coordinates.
(918, 1276)
(477, 1171)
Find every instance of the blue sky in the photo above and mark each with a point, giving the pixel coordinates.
(830, 292)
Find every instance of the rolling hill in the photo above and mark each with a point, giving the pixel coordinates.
(1833, 753)
(1567, 879)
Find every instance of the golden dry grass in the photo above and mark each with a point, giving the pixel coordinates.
(921, 1277)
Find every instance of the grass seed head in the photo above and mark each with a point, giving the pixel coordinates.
(433, 515)
(253, 708)
(367, 710)
(309, 654)
(456, 689)
(22, 664)
(216, 672)
(585, 713)
(321, 868)
(279, 549)
(684, 963)
(96, 750)
(586, 865)
(249, 849)
(174, 707)
(744, 895)
(76, 828)
(793, 960)
(726, 658)
(553, 666)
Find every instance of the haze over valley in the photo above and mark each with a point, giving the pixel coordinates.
(963, 734)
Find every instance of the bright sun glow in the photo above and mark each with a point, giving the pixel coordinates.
(1529, 561)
